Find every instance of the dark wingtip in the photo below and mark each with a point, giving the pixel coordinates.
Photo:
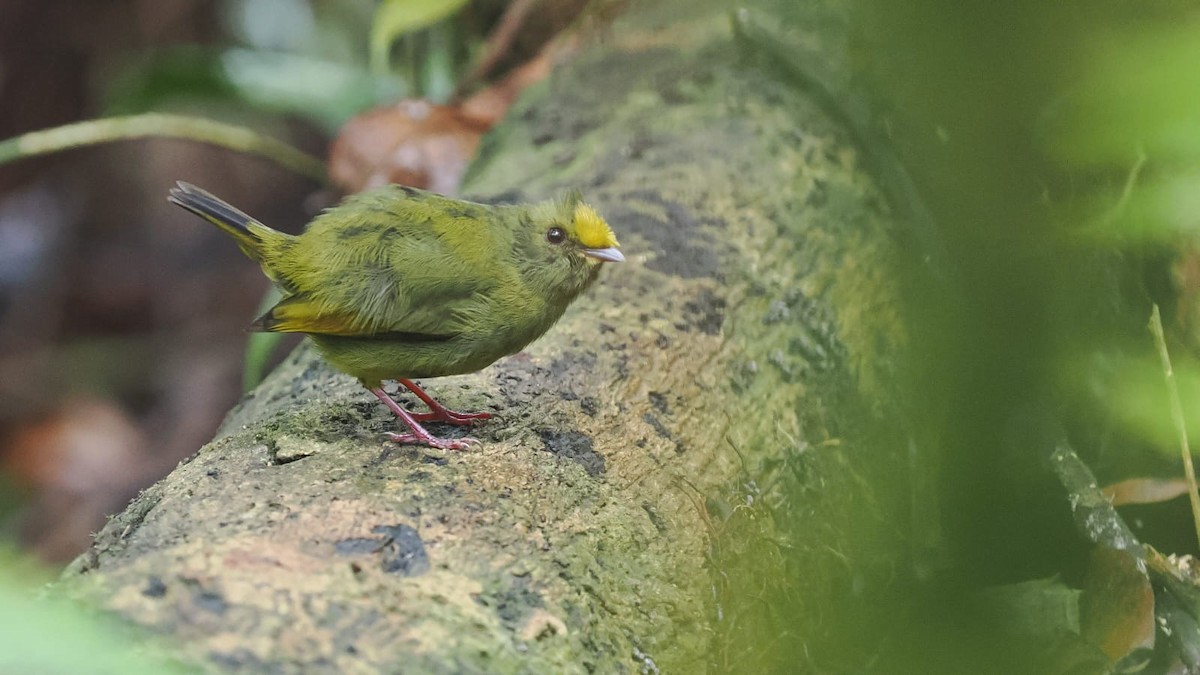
(264, 323)
(213, 208)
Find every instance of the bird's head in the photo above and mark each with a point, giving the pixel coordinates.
(575, 228)
(570, 242)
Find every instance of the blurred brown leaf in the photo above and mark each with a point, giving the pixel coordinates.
(413, 142)
(1145, 490)
(1117, 606)
(82, 462)
(425, 145)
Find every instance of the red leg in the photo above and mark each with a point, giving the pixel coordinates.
(440, 412)
(419, 435)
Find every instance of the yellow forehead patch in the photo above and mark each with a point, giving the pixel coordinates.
(591, 229)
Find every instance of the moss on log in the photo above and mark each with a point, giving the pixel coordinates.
(622, 513)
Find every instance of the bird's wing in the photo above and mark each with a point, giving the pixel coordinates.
(303, 313)
(387, 266)
(421, 289)
(300, 314)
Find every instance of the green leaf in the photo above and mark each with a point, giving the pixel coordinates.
(395, 18)
(43, 634)
(1138, 89)
(260, 346)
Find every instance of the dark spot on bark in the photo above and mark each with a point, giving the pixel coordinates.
(804, 346)
(718, 508)
(589, 406)
(787, 369)
(582, 362)
(432, 459)
(777, 312)
(707, 312)
(210, 601)
(658, 401)
(683, 248)
(817, 196)
(662, 341)
(513, 603)
(638, 146)
(134, 517)
(743, 377)
(155, 588)
(240, 661)
(622, 364)
(600, 178)
(574, 446)
(656, 518)
(659, 428)
(410, 191)
(813, 337)
(213, 473)
(671, 80)
(402, 552)
(663, 431)
(357, 546)
(314, 368)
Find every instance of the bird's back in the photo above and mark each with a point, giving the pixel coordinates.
(397, 259)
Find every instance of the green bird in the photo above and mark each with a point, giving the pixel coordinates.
(398, 283)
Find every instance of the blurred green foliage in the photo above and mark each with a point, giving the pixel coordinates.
(319, 61)
(43, 635)
(1043, 161)
(396, 18)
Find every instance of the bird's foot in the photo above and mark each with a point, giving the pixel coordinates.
(452, 417)
(439, 412)
(432, 441)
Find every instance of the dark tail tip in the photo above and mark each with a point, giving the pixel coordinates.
(179, 194)
(211, 207)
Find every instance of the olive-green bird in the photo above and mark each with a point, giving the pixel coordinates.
(398, 283)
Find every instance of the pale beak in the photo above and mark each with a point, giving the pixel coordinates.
(611, 254)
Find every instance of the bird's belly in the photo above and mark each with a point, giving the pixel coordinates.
(373, 360)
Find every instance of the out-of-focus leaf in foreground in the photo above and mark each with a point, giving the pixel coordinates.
(1140, 88)
(39, 635)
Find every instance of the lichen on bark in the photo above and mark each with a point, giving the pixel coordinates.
(622, 510)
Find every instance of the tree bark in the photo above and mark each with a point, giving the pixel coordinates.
(623, 513)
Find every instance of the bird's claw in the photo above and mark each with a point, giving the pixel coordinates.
(433, 441)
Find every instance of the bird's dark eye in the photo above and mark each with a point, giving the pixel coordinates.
(556, 235)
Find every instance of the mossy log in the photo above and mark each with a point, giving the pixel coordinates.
(625, 503)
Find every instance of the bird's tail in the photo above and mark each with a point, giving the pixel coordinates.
(255, 239)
